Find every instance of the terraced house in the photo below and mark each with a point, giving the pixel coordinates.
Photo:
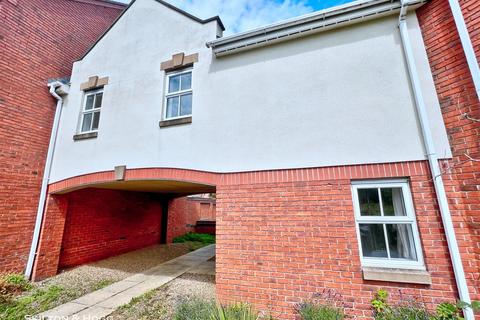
(342, 146)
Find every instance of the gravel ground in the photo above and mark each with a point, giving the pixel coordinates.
(160, 304)
(93, 276)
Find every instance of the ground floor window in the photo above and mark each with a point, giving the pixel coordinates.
(386, 225)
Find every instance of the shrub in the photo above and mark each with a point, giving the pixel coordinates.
(318, 311)
(197, 309)
(413, 310)
(195, 237)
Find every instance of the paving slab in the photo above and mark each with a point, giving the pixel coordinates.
(101, 303)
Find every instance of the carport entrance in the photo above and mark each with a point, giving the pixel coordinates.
(95, 216)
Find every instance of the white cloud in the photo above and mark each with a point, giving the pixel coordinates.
(242, 15)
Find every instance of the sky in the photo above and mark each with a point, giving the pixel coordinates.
(243, 15)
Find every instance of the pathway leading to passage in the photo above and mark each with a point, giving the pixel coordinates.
(101, 303)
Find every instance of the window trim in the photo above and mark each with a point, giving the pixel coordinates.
(410, 218)
(179, 93)
(93, 110)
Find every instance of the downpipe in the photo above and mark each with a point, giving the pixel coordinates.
(46, 177)
(435, 167)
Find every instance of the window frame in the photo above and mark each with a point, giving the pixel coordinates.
(92, 111)
(410, 219)
(176, 93)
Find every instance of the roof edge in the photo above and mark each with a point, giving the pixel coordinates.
(104, 3)
(168, 5)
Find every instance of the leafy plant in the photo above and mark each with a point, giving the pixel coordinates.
(316, 311)
(195, 237)
(12, 285)
(240, 311)
(194, 309)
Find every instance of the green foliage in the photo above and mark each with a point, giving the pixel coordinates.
(102, 284)
(195, 237)
(197, 309)
(12, 285)
(412, 310)
(318, 311)
(39, 301)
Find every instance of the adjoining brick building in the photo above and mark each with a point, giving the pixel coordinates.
(315, 147)
(39, 40)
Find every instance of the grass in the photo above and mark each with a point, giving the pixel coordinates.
(102, 284)
(318, 311)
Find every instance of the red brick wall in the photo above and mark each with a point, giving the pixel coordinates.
(103, 223)
(39, 39)
(457, 97)
(283, 236)
(183, 214)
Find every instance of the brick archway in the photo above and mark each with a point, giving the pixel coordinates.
(154, 187)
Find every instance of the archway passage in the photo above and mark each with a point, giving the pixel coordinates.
(96, 216)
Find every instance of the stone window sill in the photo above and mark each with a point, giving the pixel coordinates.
(175, 122)
(83, 136)
(397, 275)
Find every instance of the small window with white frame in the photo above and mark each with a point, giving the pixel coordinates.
(92, 105)
(386, 225)
(178, 97)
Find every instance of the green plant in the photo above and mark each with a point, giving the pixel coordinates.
(239, 311)
(318, 311)
(194, 309)
(195, 237)
(102, 284)
(12, 285)
(413, 310)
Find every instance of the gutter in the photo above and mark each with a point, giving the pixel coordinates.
(331, 18)
(57, 89)
(466, 44)
(434, 165)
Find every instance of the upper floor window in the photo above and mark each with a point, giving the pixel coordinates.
(386, 225)
(91, 111)
(178, 97)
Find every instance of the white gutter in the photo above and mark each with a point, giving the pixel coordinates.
(434, 166)
(466, 44)
(46, 175)
(320, 21)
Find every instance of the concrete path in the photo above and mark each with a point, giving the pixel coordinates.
(101, 303)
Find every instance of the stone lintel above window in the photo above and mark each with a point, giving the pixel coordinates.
(178, 61)
(94, 82)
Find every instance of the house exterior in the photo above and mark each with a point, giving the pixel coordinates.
(322, 137)
(39, 40)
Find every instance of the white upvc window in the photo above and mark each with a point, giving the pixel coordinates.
(178, 97)
(386, 226)
(92, 105)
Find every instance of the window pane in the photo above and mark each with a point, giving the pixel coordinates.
(392, 200)
(174, 84)
(96, 119)
(87, 121)
(186, 104)
(186, 82)
(98, 100)
(373, 240)
(400, 241)
(89, 102)
(172, 107)
(369, 202)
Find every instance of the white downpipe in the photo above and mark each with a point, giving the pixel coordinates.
(435, 170)
(46, 178)
(466, 44)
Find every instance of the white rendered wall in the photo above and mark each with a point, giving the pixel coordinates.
(336, 98)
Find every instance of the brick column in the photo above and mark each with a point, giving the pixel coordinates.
(53, 224)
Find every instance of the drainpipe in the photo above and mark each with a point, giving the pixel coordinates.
(46, 174)
(434, 165)
(466, 44)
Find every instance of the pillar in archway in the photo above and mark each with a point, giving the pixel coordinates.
(53, 224)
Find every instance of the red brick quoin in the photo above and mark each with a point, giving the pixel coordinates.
(39, 39)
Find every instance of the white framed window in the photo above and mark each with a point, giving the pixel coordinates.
(386, 226)
(178, 97)
(92, 105)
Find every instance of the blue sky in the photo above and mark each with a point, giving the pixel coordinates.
(242, 15)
